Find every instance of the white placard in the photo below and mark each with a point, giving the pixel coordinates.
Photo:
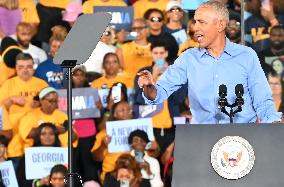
(8, 174)
(120, 130)
(40, 160)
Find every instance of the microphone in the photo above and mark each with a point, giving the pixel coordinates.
(222, 94)
(239, 90)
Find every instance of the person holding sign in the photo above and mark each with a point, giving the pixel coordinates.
(46, 135)
(126, 173)
(119, 111)
(150, 167)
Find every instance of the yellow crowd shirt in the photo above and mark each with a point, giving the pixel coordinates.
(34, 118)
(98, 83)
(88, 6)
(6, 72)
(162, 119)
(109, 158)
(141, 6)
(29, 12)
(55, 3)
(135, 57)
(17, 87)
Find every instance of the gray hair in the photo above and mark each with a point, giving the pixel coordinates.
(219, 7)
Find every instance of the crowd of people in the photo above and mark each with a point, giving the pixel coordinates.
(31, 34)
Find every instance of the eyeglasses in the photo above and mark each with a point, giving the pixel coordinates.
(177, 9)
(107, 33)
(138, 28)
(51, 100)
(156, 19)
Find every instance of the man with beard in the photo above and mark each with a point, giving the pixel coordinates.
(233, 30)
(24, 37)
(275, 52)
(215, 62)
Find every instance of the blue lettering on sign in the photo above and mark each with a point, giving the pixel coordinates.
(120, 18)
(90, 101)
(48, 157)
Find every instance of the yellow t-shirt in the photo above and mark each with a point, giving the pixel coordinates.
(54, 3)
(88, 6)
(135, 57)
(6, 72)
(109, 158)
(98, 83)
(141, 6)
(17, 87)
(36, 117)
(162, 119)
(29, 12)
(187, 44)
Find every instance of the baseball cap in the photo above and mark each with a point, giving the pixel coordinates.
(44, 92)
(79, 67)
(172, 4)
(72, 11)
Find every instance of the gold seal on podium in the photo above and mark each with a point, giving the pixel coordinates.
(232, 157)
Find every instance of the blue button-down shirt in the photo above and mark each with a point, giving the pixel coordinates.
(204, 74)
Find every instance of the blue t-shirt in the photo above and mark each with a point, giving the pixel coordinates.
(51, 73)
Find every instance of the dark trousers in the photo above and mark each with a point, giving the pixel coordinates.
(84, 161)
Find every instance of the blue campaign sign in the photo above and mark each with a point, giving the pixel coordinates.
(8, 174)
(191, 4)
(122, 17)
(83, 102)
(120, 130)
(40, 160)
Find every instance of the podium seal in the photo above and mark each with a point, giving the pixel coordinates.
(232, 157)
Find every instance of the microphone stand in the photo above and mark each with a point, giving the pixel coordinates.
(238, 102)
(69, 64)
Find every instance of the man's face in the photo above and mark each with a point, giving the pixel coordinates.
(205, 26)
(233, 30)
(24, 69)
(159, 53)
(277, 39)
(54, 46)
(155, 21)
(24, 36)
(141, 29)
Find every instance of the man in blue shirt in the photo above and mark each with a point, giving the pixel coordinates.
(217, 61)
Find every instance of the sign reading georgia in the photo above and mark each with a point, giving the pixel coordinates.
(232, 157)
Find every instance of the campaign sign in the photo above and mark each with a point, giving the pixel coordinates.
(1, 118)
(120, 130)
(40, 160)
(8, 174)
(83, 102)
(146, 111)
(122, 17)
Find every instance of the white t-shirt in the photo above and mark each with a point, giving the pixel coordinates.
(37, 53)
(95, 61)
